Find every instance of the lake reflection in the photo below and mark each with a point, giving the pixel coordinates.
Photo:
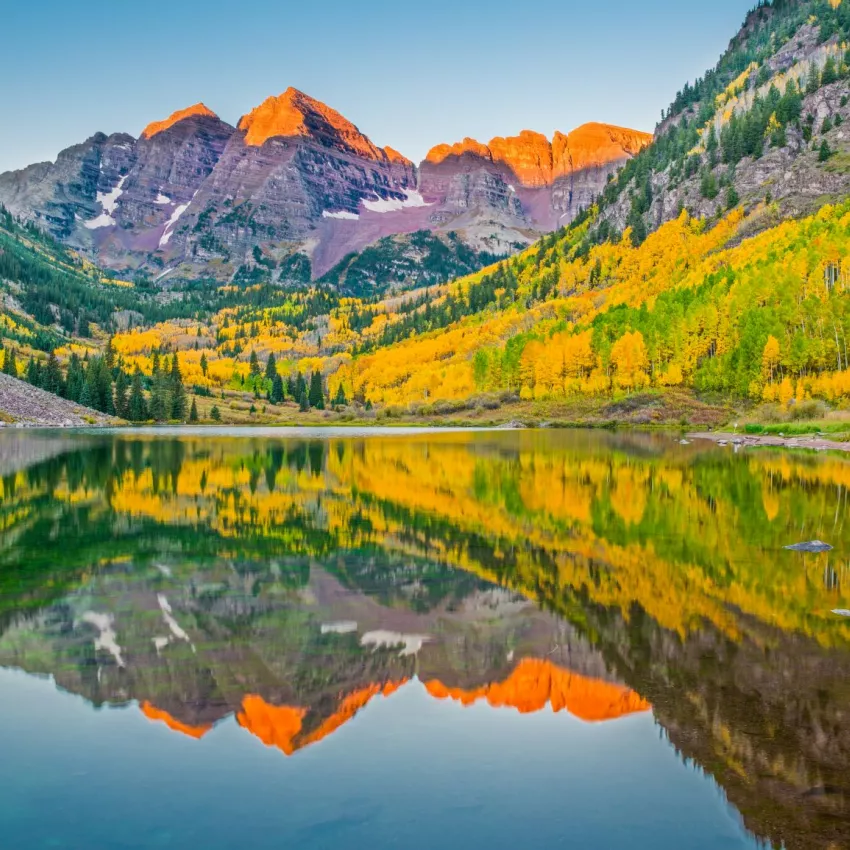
(461, 639)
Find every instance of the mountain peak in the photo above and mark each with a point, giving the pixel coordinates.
(595, 144)
(395, 157)
(468, 146)
(198, 109)
(294, 113)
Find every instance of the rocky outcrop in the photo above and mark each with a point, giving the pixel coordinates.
(538, 183)
(61, 196)
(21, 404)
(156, 127)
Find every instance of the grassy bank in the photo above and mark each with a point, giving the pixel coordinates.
(659, 409)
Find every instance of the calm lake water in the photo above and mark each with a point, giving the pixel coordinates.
(254, 639)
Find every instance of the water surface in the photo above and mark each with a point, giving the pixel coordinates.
(420, 639)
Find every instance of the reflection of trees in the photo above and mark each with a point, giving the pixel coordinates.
(669, 557)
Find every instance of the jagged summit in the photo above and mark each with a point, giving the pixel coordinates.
(156, 127)
(536, 161)
(294, 113)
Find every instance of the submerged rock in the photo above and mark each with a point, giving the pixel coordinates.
(810, 546)
(842, 612)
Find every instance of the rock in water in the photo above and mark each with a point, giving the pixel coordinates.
(811, 546)
(842, 612)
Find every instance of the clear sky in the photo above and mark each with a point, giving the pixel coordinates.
(410, 75)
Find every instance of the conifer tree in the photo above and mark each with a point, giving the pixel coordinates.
(271, 367)
(177, 391)
(316, 395)
(75, 378)
(193, 411)
(254, 365)
(830, 72)
(33, 373)
(160, 402)
(121, 404)
(276, 393)
(304, 402)
(137, 409)
(204, 364)
(215, 414)
(51, 376)
(340, 400)
(10, 366)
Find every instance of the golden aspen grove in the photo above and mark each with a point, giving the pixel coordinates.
(694, 306)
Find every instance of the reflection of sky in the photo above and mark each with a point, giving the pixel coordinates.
(408, 772)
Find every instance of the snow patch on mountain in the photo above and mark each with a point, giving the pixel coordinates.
(349, 216)
(108, 202)
(384, 205)
(169, 225)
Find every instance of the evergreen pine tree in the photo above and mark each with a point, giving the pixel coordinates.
(732, 199)
(215, 414)
(104, 401)
(121, 403)
(160, 403)
(340, 400)
(271, 368)
(177, 391)
(87, 396)
(137, 409)
(32, 372)
(51, 377)
(10, 366)
(830, 72)
(825, 151)
(316, 395)
(276, 394)
(254, 365)
(74, 382)
(109, 354)
(193, 411)
(813, 82)
(303, 402)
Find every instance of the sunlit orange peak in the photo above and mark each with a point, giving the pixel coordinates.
(275, 726)
(158, 715)
(468, 146)
(181, 115)
(535, 683)
(294, 113)
(395, 157)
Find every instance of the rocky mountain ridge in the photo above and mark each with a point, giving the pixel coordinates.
(194, 195)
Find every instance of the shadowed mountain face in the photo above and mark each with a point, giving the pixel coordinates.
(195, 194)
(293, 584)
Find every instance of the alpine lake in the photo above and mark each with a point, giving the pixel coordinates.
(247, 638)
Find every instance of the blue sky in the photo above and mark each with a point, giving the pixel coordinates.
(409, 75)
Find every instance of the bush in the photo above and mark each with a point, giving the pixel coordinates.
(808, 410)
(769, 413)
(444, 407)
(487, 402)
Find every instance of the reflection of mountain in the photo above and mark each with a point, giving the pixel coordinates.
(294, 664)
(666, 560)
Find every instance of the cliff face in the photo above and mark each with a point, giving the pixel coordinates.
(193, 193)
(539, 183)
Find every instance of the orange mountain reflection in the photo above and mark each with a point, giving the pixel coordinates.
(533, 684)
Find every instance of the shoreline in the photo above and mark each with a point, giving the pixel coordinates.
(810, 442)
